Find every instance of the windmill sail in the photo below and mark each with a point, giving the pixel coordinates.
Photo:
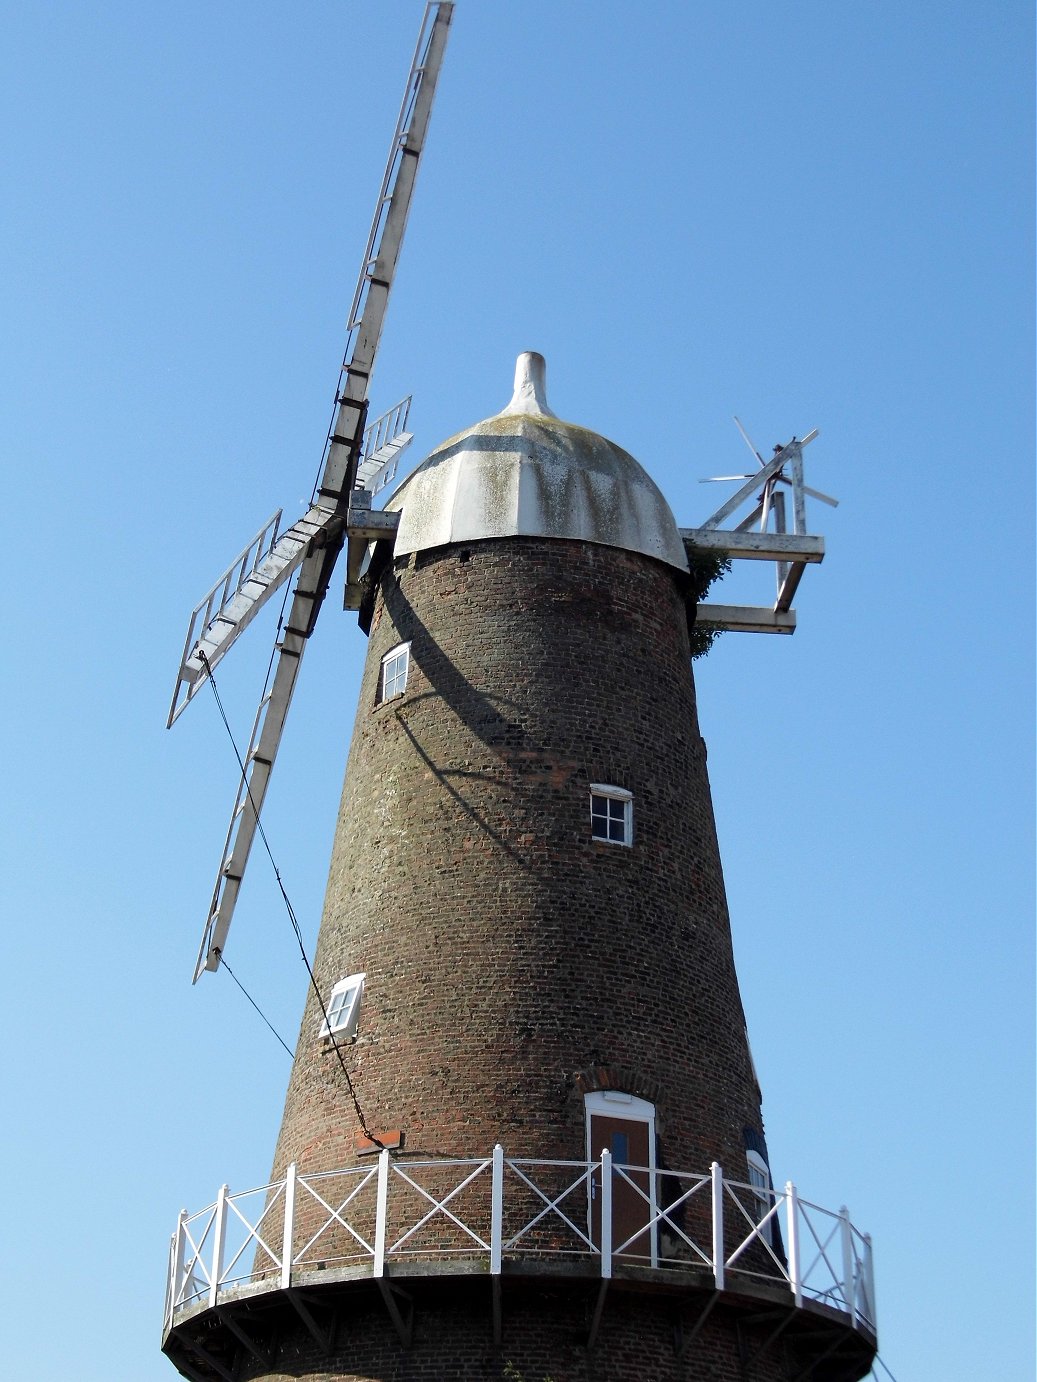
(263, 744)
(237, 597)
(342, 456)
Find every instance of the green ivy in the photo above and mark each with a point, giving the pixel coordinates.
(704, 569)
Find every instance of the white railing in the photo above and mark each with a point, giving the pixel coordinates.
(499, 1208)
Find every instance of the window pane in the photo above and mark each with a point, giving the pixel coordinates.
(394, 673)
(341, 1008)
(610, 818)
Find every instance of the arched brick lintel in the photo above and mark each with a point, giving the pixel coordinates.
(622, 1078)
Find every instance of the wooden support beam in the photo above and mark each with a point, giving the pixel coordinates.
(185, 1368)
(402, 1326)
(322, 1337)
(775, 1333)
(261, 1355)
(371, 523)
(746, 618)
(687, 1340)
(599, 1307)
(789, 583)
(498, 1323)
(211, 1361)
(754, 546)
(809, 1369)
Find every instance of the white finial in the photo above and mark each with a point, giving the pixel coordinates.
(530, 396)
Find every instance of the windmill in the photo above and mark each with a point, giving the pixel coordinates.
(548, 1139)
(359, 459)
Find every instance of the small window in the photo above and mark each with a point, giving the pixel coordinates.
(344, 1007)
(760, 1180)
(612, 814)
(395, 666)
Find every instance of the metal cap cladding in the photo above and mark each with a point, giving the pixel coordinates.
(527, 473)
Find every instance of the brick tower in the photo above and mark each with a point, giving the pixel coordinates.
(523, 1135)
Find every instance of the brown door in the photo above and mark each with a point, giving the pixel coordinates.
(627, 1140)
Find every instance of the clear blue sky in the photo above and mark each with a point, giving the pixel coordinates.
(809, 214)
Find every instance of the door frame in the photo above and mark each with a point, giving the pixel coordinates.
(613, 1103)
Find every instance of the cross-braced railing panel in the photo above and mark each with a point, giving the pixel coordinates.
(677, 1230)
(192, 1258)
(754, 1234)
(382, 1215)
(545, 1207)
(252, 1238)
(334, 1218)
(837, 1261)
(439, 1208)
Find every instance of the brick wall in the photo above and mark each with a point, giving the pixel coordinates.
(544, 1337)
(513, 963)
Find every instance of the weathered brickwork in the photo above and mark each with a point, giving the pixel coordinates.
(543, 1341)
(509, 957)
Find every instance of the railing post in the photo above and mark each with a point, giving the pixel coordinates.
(717, 1179)
(849, 1275)
(792, 1207)
(496, 1209)
(289, 1224)
(381, 1213)
(217, 1244)
(606, 1215)
(176, 1280)
(869, 1281)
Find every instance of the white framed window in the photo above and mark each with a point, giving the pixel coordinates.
(344, 1007)
(612, 814)
(760, 1180)
(395, 666)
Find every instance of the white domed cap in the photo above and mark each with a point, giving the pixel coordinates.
(526, 473)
